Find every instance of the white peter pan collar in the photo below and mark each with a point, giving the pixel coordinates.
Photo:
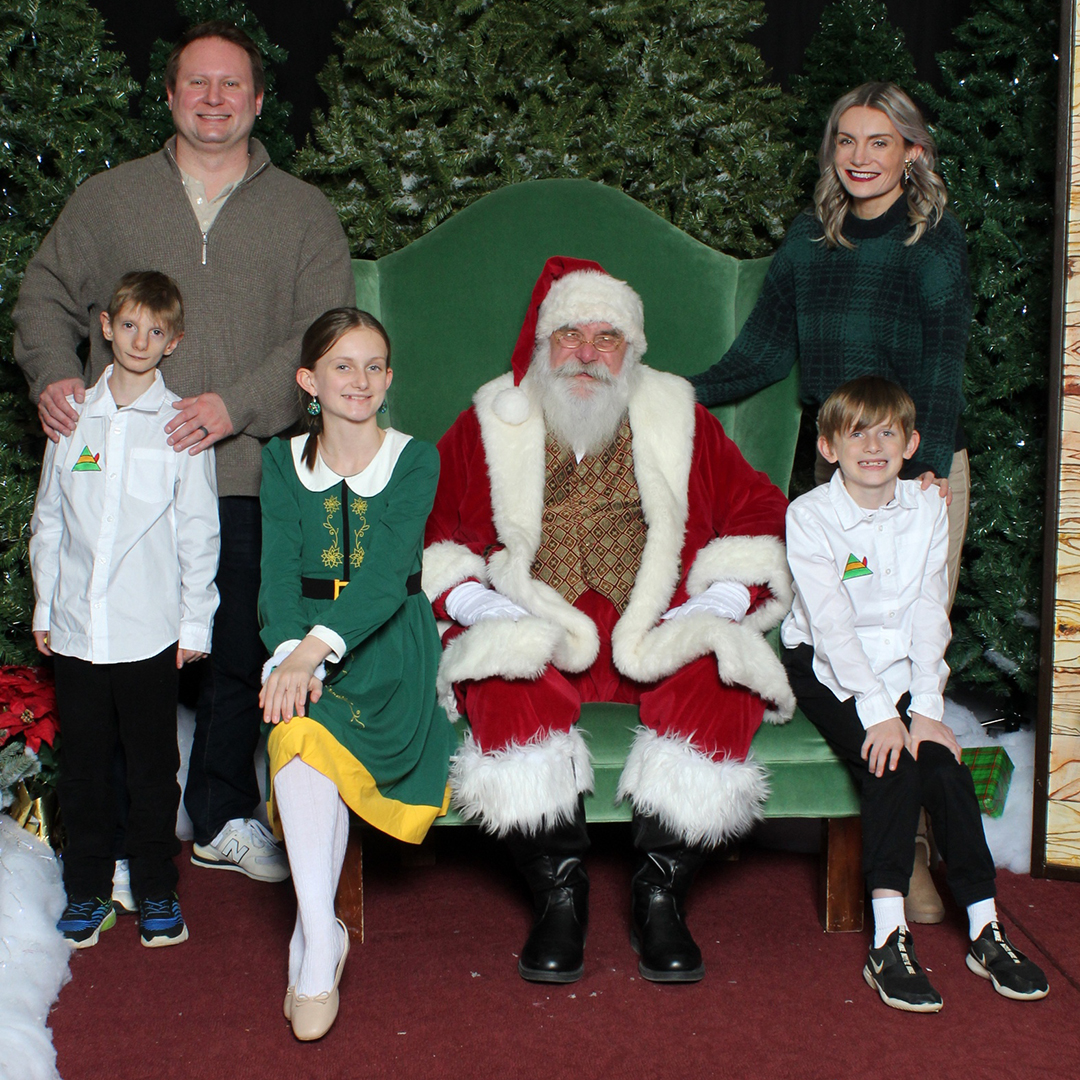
(365, 484)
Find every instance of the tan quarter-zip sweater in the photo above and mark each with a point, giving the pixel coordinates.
(274, 259)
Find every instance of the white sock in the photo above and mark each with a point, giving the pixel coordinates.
(316, 826)
(888, 915)
(979, 914)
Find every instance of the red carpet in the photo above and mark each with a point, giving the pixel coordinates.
(434, 991)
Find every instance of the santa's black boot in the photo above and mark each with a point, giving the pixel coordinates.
(658, 890)
(550, 861)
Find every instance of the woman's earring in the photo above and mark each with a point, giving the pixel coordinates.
(908, 166)
(313, 407)
(383, 408)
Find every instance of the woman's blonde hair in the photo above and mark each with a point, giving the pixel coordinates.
(926, 192)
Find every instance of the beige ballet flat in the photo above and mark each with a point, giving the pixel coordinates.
(312, 1017)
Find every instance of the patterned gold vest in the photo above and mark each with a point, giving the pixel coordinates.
(593, 529)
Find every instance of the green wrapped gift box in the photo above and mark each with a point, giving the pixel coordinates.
(991, 769)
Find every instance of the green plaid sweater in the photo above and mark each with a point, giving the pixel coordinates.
(882, 309)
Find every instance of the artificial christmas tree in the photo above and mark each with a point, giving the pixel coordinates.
(433, 103)
(995, 124)
(64, 107)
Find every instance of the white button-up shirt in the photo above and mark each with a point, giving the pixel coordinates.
(870, 596)
(124, 545)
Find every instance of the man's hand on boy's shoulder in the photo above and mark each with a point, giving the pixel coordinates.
(923, 729)
(883, 744)
(54, 410)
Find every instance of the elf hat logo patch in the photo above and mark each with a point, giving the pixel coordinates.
(855, 568)
(87, 462)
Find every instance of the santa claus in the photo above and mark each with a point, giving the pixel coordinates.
(597, 537)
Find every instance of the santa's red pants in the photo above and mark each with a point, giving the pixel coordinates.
(692, 703)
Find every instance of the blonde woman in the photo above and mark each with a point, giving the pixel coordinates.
(872, 281)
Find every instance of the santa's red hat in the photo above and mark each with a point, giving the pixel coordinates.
(570, 292)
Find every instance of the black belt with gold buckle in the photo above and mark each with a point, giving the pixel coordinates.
(330, 588)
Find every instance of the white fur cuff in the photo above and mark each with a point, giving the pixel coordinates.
(707, 802)
(527, 787)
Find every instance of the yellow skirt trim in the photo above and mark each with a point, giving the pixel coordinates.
(305, 738)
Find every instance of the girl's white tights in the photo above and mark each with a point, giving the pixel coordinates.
(316, 825)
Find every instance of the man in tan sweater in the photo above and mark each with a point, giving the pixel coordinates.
(257, 255)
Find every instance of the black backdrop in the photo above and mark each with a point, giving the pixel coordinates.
(307, 32)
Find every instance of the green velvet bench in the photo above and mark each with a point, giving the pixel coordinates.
(453, 302)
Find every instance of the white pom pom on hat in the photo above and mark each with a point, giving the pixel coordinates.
(512, 405)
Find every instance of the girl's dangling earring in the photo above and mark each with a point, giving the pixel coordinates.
(313, 407)
(383, 408)
(908, 165)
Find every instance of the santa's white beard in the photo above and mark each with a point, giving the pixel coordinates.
(583, 414)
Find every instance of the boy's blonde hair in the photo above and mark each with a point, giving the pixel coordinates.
(863, 403)
(153, 291)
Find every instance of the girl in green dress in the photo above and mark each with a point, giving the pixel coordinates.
(350, 685)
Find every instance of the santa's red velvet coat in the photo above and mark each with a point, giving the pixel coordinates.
(709, 517)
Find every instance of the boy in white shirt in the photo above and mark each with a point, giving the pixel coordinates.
(864, 648)
(124, 549)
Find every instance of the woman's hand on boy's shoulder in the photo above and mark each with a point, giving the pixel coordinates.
(928, 478)
(923, 729)
(883, 745)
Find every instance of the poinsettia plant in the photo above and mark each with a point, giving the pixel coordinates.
(28, 728)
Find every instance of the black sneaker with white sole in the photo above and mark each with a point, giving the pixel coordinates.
(993, 956)
(896, 975)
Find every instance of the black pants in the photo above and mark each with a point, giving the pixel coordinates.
(222, 783)
(891, 803)
(99, 704)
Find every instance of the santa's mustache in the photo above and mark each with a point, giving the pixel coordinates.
(569, 368)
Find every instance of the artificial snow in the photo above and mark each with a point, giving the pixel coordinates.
(1009, 836)
(33, 955)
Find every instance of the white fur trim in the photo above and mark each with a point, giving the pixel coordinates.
(512, 405)
(588, 296)
(743, 657)
(706, 802)
(497, 647)
(750, 560)
(447, 564)
(527, 787)
(516, 459)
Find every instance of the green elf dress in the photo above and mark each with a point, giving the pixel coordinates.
(341, 560)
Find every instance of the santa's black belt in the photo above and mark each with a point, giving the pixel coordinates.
(314, 588)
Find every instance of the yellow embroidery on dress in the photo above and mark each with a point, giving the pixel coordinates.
(359, 508)
(332, 556)
(355, 717)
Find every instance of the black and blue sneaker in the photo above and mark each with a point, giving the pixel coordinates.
(83, 921)
(160, 922)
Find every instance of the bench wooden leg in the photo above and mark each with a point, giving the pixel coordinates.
(841, 891)
(349, 901)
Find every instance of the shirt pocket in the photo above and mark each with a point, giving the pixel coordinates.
(151, 475)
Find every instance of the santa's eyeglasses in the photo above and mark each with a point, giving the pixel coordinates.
(605, 341)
